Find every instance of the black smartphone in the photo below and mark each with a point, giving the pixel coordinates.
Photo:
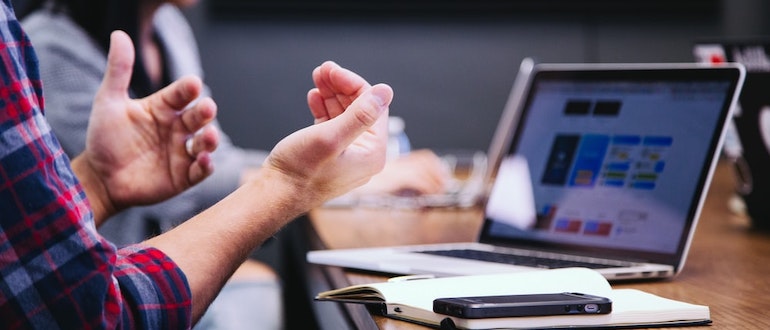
(565, 303)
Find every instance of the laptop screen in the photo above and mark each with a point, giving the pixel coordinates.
(611, 162)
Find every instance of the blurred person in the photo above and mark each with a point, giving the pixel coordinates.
(58, 272)
(71, 38)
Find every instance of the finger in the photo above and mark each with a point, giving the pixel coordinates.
(201, 168)
(316, 104)
(120, 62)
(331, 79)
(204, 143)
(321, 78)
(337, 86)
(363, 113)
(327, 93)
(199, 115)
(175, 96)
(205, 140)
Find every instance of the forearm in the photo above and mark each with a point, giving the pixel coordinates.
(209, 247)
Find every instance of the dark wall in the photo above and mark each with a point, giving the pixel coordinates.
(451, 71)
(451, 74)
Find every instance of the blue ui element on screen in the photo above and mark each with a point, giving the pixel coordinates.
(658, 141)
(590, 158)
(560, 159)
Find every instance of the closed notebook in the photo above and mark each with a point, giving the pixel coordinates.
(412, 300)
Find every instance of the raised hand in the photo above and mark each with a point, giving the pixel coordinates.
(347, 144)
(135, 149)
(336, 89)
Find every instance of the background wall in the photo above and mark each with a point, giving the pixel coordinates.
(451, 69)
(451, 72)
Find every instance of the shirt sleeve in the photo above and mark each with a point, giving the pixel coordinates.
(159, 288)
(56, 270)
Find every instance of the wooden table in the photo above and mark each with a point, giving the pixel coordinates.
(728, 268)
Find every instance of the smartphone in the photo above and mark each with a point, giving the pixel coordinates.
(565, 303)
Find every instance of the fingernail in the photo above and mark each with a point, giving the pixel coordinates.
(383, 95)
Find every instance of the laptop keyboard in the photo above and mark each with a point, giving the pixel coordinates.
(519, 260)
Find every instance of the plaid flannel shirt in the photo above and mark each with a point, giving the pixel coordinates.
(57, 271)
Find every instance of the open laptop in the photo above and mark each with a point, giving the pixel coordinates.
(604, 166)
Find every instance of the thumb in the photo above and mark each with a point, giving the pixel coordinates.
(363, 113)
(120, 63)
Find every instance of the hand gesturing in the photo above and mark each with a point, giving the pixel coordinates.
(136, 148)
(347, 144)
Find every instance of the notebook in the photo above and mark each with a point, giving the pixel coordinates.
(604, 166)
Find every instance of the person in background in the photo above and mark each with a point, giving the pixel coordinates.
(58, 272)
(71, 38)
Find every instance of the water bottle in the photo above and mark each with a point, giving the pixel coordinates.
(398, 142)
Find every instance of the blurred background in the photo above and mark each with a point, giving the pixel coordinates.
(451, 63)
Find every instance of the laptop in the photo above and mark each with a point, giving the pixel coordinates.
(604, 166)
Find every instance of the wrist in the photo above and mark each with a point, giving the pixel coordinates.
(96, 192)
(285, 194)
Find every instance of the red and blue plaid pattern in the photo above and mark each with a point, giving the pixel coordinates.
(57, 272)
